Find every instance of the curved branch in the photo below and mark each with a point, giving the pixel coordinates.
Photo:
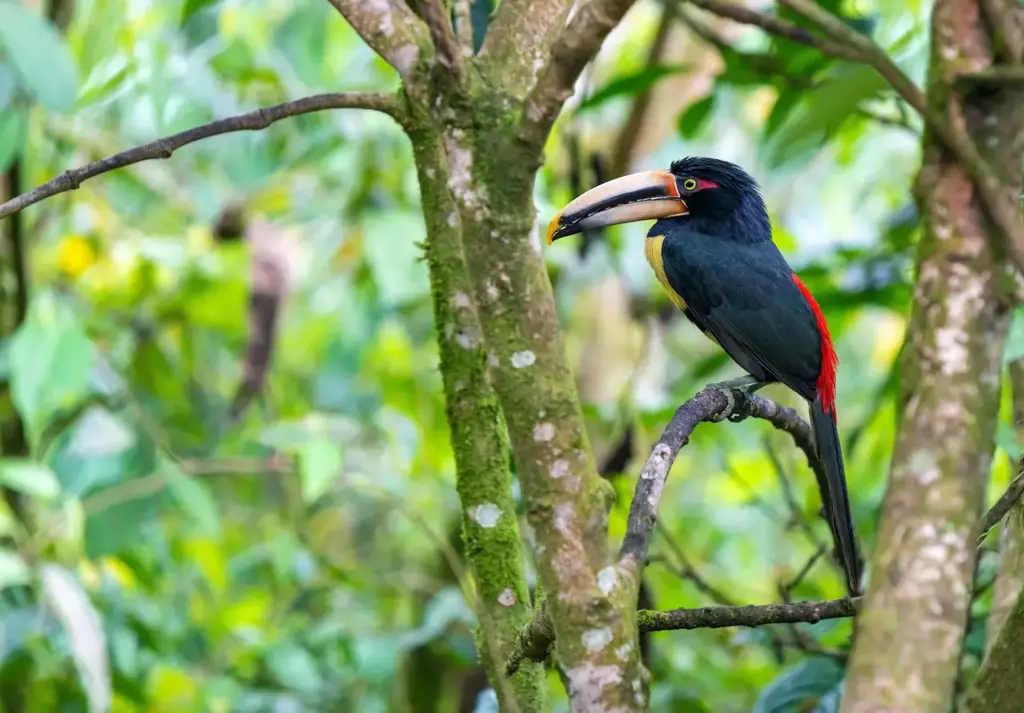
(164, 148)
(577, 45)
(390, 29)
(710, 404)
(443, 35)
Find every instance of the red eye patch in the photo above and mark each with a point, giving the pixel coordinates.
(703, 183)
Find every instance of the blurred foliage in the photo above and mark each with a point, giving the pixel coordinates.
(307, 557)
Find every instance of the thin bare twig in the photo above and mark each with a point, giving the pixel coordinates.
(1002, 506)
(164, 148)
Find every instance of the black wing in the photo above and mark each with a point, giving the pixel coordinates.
(745, 296)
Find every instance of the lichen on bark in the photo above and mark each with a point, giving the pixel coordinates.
(489, 522)
(910, 633)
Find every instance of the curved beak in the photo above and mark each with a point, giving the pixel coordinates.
(648, 195)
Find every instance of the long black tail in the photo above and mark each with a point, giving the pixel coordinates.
(833, 493)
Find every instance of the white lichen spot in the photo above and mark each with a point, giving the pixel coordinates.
(485, 515)
(404, 58)
(461, 300)
(564, 515)
(507, 597)
(587, 683)
(606, 579)
(468, 339)
(492, 360)
(523, 359)
(596, 639)
(382, 10)
(492, 291)
(622, 653)
(924, 467)
(559, 469)
(535, 238)
(544, 432)
(453, 219)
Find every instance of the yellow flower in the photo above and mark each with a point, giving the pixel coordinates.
(75, 255)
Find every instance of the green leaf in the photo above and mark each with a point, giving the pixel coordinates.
(51, 358)
(319, 465)
(1006, 438)
(797, 688)
(295, 668)
(693, 119)
(84, 630)
(13, 125)
(194, 6)
(25, 476)
(631, 84)
(39, 56)
(822, 112)
(13, 570)
(1015, 339)
(194, 499)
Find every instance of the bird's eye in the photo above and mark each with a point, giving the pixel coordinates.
(689, 184)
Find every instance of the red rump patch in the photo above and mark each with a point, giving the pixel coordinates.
(703, 183)
(826, 384)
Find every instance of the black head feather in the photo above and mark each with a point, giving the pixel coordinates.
(734, 210)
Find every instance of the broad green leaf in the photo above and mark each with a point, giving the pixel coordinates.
(822, 112)
(295, 668)
(693, 119)
(193, 6)
(13, 570)
(631, 84)
(51, 359)
(39, 56)
(1007, 439)
(84, 629)
(13, 126)
(25, 476)
(319, 466)
(799, 688)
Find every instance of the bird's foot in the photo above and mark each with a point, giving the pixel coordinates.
(737, 394)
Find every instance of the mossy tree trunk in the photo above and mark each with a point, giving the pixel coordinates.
(910, 633)
(478, 124)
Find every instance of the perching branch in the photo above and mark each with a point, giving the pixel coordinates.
(390, 29)
(576, 46)
(709, 404)
(164, 148)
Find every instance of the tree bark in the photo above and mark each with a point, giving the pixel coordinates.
(489, 523)
(910, 634)
(999, 685)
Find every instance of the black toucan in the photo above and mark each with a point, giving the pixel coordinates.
(712, 251)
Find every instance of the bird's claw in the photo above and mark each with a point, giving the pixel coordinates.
(737, 395)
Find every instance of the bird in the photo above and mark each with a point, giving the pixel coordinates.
(711, 249)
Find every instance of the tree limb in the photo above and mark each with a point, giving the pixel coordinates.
(519, 39)
(1002, 506)
(390, 29)
(778, 27)
(443, 36)
(576, 46)
(709, 404)
(750, 616)
(164, 148)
